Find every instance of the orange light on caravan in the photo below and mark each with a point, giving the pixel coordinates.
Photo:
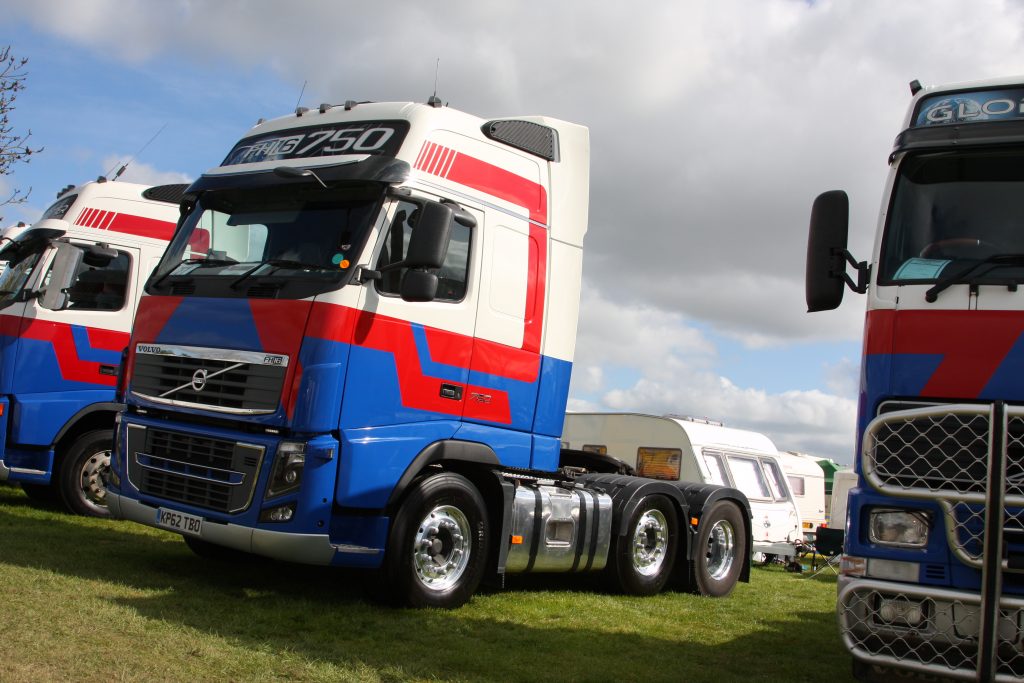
(658, 463)
(517, 540)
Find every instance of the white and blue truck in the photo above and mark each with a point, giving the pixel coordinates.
(356, 352)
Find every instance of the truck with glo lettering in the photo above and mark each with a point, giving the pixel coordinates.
(356, 352)
(932, 577)
(61, 340)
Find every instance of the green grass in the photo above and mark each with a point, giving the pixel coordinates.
(95, 600)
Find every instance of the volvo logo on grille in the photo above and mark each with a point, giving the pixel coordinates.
(198, 379)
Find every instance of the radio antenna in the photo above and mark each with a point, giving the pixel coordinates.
(434, 100)
(124, 166)
(301, 93)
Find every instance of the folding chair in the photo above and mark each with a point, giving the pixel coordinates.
(829, 544)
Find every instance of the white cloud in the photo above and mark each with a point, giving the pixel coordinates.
(672, 366)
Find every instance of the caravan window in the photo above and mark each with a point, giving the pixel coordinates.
(749, 477)
(797, 485)
(715, 467)
(775, 479)
(593, 448)
(658, 463)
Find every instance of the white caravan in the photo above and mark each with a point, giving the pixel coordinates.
(680, 448)
(807, 482)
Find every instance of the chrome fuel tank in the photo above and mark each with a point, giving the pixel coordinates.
(557, 529)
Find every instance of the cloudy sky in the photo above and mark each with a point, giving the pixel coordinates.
(713, 127)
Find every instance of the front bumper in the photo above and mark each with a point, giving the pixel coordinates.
(926, 629)
(303, 548)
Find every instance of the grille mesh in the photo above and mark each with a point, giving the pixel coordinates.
(215, 474)
(884, 627)
(229, 386)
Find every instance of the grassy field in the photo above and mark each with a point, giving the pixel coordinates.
(93, 600)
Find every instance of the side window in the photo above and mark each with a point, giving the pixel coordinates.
(100, 289)
(451, 276)
(797, 485)
(716, 468)
(775, 480)
(749, 477)
(658, 463)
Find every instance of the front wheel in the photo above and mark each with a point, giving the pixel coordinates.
(720, 550)
(83, 474)
(438, 544)
(644, 557)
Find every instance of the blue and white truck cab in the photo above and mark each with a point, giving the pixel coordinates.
(61, 341)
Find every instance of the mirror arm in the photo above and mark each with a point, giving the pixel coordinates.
(842, 257)
(364, 275)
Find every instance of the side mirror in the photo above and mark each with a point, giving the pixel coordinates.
(428, 244)
(418, 285)
(826, 277)
(62, 276)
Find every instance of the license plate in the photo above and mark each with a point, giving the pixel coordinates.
(181, 522)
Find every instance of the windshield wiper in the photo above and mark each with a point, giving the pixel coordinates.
(975, 268)
(195, 262)
(277, 264)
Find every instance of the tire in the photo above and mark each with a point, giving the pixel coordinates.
(218, 553)
(83, 471)
(720, 550)
(438, 544)
(643, 558)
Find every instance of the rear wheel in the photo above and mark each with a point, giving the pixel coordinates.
(645, 555)
(438, 544)
(721, 547)
(84, 471)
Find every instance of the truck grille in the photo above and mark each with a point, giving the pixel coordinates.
(208, 473)
(238, 382)
(942, 453)
(928, 629)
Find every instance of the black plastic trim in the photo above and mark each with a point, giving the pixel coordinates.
(110, 407)
(958, 136)
(537, 139)
(443, 451)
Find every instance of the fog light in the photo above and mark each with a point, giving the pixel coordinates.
(281, 513)
(900, 612)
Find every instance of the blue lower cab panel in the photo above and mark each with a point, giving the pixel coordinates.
(37, 418)
(29, 466)
(938, 565)
(360, 540)
(373, 459)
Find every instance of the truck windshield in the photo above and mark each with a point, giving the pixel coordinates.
(952, 209)
(18, 259)
(294, 241)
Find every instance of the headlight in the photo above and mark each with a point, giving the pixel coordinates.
(288, 465)
(899, 528)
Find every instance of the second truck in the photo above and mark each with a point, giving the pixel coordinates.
(356, 351)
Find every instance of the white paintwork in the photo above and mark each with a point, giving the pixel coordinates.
(116, 198)
(775, 520)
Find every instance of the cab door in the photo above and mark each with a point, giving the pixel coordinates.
(69, 358)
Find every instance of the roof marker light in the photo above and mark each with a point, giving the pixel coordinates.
(915, 86)
(299, 111)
